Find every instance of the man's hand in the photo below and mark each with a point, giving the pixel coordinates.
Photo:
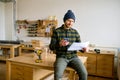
(64, 42)
(83, 50)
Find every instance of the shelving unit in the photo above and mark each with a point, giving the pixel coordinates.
(32, 28)
(37, 28)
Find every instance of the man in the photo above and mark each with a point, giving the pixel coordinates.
(61, 40)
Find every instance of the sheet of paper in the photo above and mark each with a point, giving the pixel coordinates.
(78, 46)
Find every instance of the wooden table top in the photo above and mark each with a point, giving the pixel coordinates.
(9, 45)
(47, 62)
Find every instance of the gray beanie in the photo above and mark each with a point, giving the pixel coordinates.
(69, 15)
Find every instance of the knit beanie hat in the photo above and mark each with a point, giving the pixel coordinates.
(69, 15)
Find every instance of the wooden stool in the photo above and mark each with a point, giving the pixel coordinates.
(72, 73)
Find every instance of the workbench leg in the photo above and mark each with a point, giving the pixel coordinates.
(20, 51)
(8, 70)
(12, 52)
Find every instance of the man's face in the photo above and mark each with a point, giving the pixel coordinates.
(69, 23)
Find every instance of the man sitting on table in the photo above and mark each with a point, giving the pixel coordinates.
(61, 39)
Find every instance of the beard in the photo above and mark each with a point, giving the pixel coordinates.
(67, 26)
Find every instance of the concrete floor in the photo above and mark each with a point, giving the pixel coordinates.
(2, 70)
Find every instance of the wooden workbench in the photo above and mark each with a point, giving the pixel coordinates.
(25, 67)
(12, 48)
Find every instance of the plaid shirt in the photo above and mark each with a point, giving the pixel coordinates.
(60, 33)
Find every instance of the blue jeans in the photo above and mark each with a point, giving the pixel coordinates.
(75, 63)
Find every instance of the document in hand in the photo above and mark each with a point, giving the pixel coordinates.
(78, 46)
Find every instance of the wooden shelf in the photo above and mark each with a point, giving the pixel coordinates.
(4, 58)
(38, 28)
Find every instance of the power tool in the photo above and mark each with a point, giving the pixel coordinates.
(38, 52)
